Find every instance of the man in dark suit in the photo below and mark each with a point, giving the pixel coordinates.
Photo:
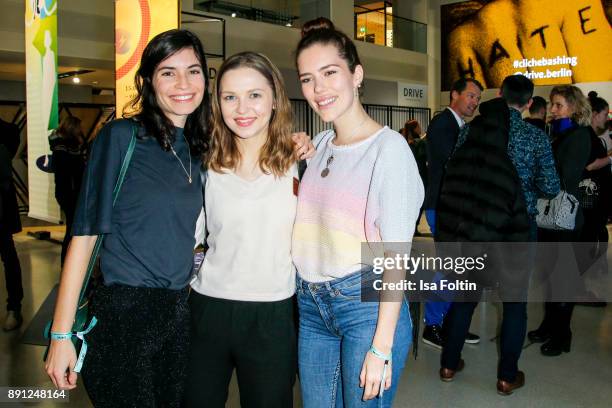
(441, 139)
(9, 225)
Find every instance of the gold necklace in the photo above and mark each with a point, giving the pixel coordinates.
(330, 159)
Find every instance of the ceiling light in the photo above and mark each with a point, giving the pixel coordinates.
(289, 24)
(233, 14)
(76, 80)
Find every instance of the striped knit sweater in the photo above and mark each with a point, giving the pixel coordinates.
(372, 193)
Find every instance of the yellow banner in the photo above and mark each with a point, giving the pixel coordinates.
(549, 41)
(136, 23)
(41, 100)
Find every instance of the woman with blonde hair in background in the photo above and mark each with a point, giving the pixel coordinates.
(571, 144)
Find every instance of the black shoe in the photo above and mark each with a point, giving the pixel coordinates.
(539, 335)
(472, 338)
(13, 321)
(432, 335)
(555, 346)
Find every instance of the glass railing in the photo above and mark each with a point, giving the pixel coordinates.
(290, 13)
(383, 28)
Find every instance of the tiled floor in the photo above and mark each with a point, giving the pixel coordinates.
(581, 378)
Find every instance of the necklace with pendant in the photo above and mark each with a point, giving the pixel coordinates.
(330, 159)
(325, 171)
(181, 162)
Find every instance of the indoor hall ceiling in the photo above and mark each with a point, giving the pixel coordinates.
(104, 79)
(12, 68)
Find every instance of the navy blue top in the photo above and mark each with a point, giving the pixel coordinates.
(150, 233)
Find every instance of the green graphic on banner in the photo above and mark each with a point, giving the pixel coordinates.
(41, 37)
(41, 99)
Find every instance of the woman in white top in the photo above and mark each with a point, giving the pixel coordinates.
(242, 298)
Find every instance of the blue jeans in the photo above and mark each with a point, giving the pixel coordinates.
(435, 310)
(336, 332)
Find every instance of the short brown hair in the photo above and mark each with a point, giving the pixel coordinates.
(70, 129)
(276, 155)
(410, 129)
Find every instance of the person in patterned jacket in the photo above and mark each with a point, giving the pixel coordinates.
(530, 153)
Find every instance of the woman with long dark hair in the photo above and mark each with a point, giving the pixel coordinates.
(361, 190)
(571, 145)
(137, 351)
(67, 145)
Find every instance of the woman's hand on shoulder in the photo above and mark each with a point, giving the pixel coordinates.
(303, 147)
(60, 364)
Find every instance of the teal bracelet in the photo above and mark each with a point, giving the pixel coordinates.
(81, 336)
(380, 354)
(387, 357)
(61, 336)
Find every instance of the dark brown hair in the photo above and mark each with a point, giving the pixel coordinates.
(144, 106)
(322, 31)
(70, 130)
(597, 103)
(462, 83)
(410, 129)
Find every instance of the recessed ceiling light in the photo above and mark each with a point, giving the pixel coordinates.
(76, 80)
(233, 14)
(289, 24)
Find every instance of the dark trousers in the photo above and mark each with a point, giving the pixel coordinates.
(512, 336)
(558, 315)
(557, 319)
(68, 209)
(258, 339)
(12, 270)
(138, 350)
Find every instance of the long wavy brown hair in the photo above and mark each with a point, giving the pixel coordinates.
(276, 155)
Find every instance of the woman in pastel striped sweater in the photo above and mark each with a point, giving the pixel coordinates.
(362, 187)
